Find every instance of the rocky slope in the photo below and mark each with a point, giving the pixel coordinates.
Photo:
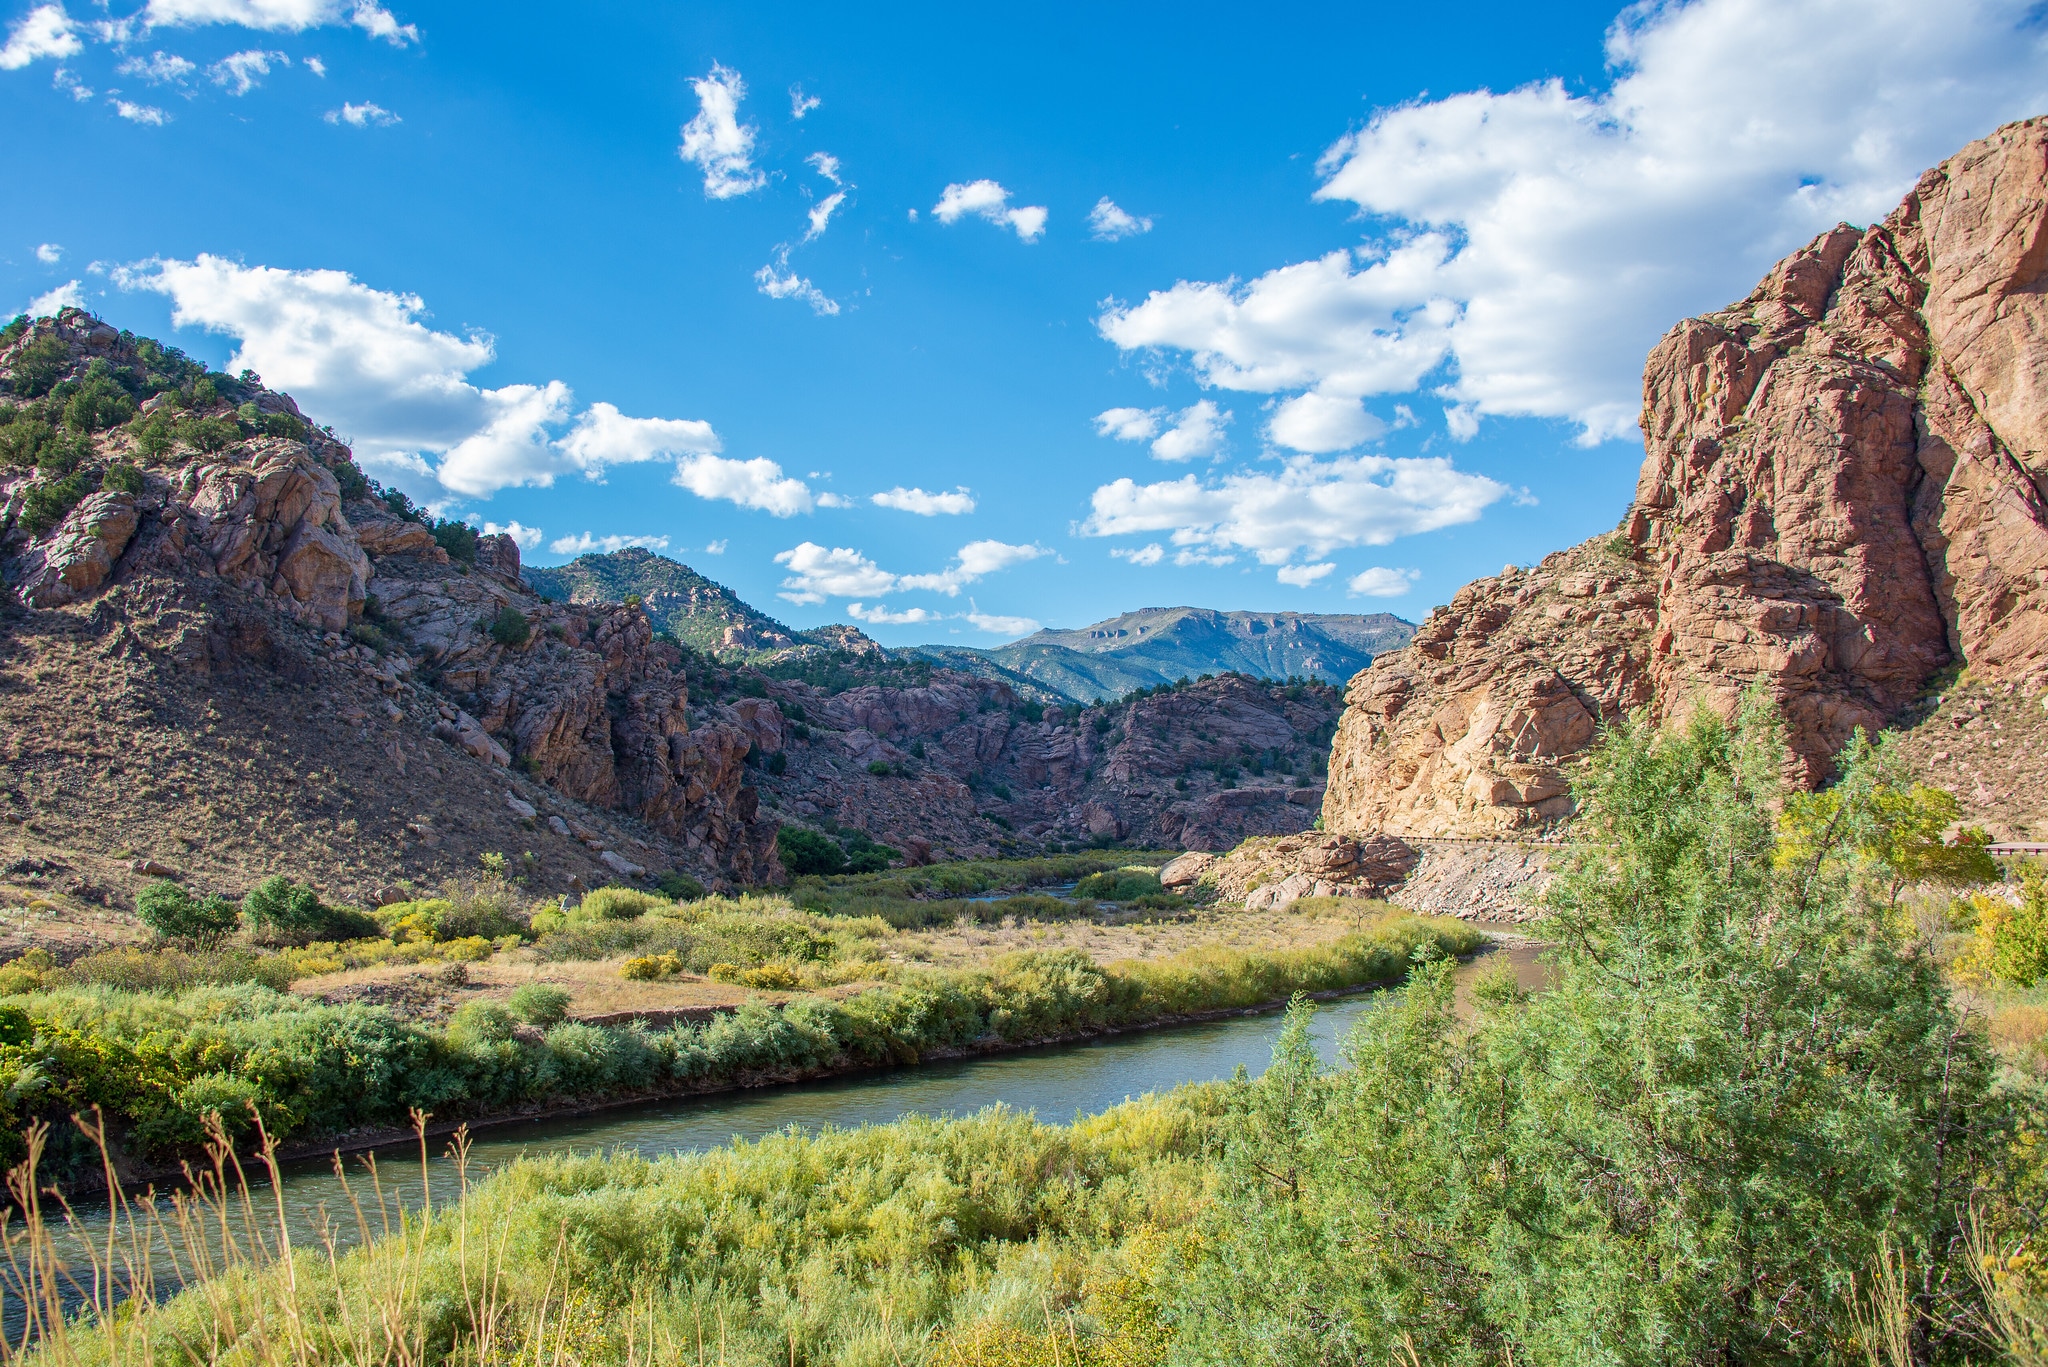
(228, 652)
(699, 612)
(1842, 495)
(966, 766)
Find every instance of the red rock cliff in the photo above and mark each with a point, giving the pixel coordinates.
(1843, 492)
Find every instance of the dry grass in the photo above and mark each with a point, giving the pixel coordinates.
(596, 987)
(1311, 921)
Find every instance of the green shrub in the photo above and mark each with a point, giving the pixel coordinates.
(16, 326)
(283, 425)
(619, 904)
(22, 442)
(1119, 885)
(458, 539)
(48, 501)
(286, 912)
(651, 967)
(176, 914)
(539, 1004)
(211, 435)
(2011, 942)
(155, 435)
(879, 768)
(354, 484)
(98, 404)
(122, 478)
(38, 366)
(481, 1023)
(509, 628)
(807, 853)
(679, 887)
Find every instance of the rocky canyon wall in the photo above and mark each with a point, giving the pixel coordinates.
(1842, 493)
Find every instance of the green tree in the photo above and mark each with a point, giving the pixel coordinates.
(806, 853)
(510, 628)
(458, 539)
(39, 365)
(1742, 1086)
(1892, 828)
(176, 914)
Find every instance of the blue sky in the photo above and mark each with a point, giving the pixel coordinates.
(1325, 308)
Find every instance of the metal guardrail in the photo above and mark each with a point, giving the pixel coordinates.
(2017, 847)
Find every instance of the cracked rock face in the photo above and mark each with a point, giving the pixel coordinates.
(1842, 493)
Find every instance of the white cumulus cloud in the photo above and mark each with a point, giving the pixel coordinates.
(365, 360)
(45, 31)
(1383, 583)
(1129, 424)
(1319, 423)
(998, 625)
(1108, 223)
(49, 253)
(825, 164)
(583, 543)
(716, 547)
(801, 104)
(1301, 576)
(716, 142)
(1540, 241)
(1197, 431)
(66, 296)
(603, 437)
(1311, 505)
(515, 443)
(926, 504)
(524, 537)
(141, 113)
(974, 561)
(365, 115)
(817, 573)
(281, 16)
(1150, 554)
(989, 200)
(881, 616)
(240, 72)
(757, 483)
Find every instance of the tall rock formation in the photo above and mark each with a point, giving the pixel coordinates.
(1843, 492)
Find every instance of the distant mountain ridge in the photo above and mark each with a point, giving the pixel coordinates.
(1158, 645)
(699, 612)
(1108, 659)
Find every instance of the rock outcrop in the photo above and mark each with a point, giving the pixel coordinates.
(1843, 493)
(249, 551)
(966, 765)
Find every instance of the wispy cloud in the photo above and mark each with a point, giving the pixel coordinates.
(716, 142)
(1108, 223)
(365, 115)
(240, 73)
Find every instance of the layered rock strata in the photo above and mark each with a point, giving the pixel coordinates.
(1842, 493)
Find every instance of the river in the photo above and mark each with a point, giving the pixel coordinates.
(1054, 1082)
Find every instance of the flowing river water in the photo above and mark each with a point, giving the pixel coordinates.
(1054, 1082)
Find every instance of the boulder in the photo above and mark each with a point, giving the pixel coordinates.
(81, 551)
(1185, 870)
